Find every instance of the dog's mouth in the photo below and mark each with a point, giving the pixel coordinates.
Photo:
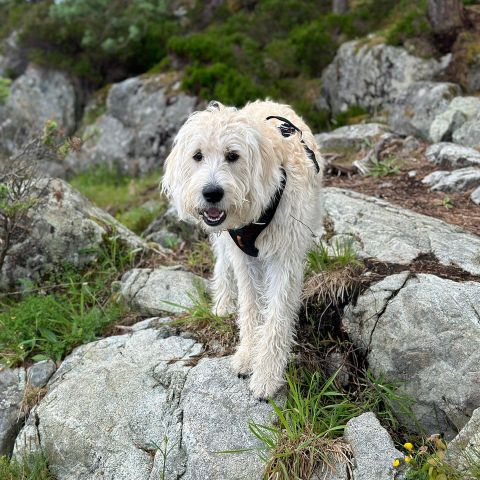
(213, 216)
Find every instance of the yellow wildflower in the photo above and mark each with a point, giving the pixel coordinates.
(408, 458)
(408, 446)
(396, 463)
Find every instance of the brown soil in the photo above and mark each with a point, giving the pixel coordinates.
(409, 192)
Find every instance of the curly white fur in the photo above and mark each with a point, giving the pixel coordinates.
(268, 286)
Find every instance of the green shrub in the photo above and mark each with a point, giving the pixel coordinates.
(32, 468)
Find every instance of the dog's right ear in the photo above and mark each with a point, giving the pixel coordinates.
(215, 105)
(168, 178)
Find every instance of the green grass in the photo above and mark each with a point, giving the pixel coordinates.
(122, 196)
(68, 310)
(324, 258)
(33, 468)
(310, 424)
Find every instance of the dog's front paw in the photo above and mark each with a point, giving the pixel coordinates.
(242, 362)
(264, 385)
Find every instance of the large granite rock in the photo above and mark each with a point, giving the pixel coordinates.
(456, 181)
(38, 95)
(165, 289)
(62, 228)
(129, 408)
(143, 114)
(389, 233)
(372, 76)
(450, 155)
(351, 137)
(424, 332)
(468, 134)
(12, 385)
(416, 107)
(458, 112)
(466, 445)
(373, 449)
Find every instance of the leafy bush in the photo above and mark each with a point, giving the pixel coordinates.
(4, 89)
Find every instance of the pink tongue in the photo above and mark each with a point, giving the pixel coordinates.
(213, 212)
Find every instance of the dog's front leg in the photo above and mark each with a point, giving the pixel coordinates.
(246, 274)
(223, 282)
(274, 339)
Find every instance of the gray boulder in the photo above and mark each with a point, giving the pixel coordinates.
(165, 289)
(62, 228)
(458, 112)
(451, 155)
(468, 134)
(12, 385)
(351, 137)
(117, 405)
(456, 181)
(373, 449)
(475, 196)
(372, 76)
(424, 332)
(38, 95)
(466, 445)
(391, 234)
(40, 373)
(142, 116)
(416, 107)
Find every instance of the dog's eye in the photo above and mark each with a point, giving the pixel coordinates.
(198, 156)
(232, 156)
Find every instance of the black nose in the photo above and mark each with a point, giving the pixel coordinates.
(212, 193)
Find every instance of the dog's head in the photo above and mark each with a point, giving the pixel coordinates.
(222, 169)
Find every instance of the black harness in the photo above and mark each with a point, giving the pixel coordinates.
(246, 236)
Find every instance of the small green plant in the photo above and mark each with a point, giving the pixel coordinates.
(383, 168)
(4, 89)
(447, 202)
(34, 467)
(199, 257)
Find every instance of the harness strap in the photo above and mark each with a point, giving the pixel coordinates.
(287, 129)
(246, 236)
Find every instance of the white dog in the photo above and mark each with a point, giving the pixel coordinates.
(252, 178)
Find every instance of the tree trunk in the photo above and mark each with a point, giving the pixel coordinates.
(446, 17)
(340, 6)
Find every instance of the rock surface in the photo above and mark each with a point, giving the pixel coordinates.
(36, 96)
(12, 385)
(456, 181)
(373, 76)
(466, 444)
(475, 196)
(63, 228)
(166, 289)
(351, 137)
(13, 58)
(468, 134)
(392, 234)
(115, 404)
(417, 106)
(40, 373)
(450, 155)
(142, 116)
(458, 112)
(424, 332)
(373, 449)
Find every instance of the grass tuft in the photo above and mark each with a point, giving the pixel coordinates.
(34, 467)
(384, 168)
(332, 275)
